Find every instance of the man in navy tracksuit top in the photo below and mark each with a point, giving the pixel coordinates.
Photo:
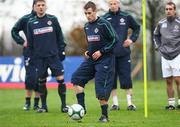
(30, 78)
(46, 42)
(99, 60)
(121, 22)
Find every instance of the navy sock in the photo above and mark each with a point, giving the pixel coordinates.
(62, 93)
(43, 99)
(28, 101)
(104, 110)
(80, 98)
(36, 101)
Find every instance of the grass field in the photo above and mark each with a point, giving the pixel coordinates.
(12, 115)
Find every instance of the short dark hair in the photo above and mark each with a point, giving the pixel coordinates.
(90, 4)
(35, 1)
(171, 3)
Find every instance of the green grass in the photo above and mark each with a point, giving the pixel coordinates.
(12, 115)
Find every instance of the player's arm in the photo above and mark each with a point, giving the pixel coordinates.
(30, 36)
(156, 37)
(110, 33)
(60, 40)
(15, 32)
(135, 28)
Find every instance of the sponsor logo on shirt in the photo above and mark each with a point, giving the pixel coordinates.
(43, 30)
(93, 38)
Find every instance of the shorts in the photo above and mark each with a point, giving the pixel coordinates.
(31, 74)
(52, 62)
(102, 70)
(170, 67)
(123, 71)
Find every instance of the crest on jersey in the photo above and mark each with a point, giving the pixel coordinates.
(122, 21)
(176, 27)
(96, 30)
(49, 22)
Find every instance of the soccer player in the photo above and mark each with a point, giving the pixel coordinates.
(167, 42)
(46, 42)
(99, 60)
(30, 78)
(121, 22)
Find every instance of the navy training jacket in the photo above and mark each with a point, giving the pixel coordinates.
(100, 36)
(45, 36)
(21, 25)
(121, 22)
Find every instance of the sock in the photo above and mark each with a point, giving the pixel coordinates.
(43, 99)
(62, 93)
(80, 98)
(104, 110)
(129, 99)
(115, 100)
(36, 101)
(28, 100)
(171, 101)
(178, 101)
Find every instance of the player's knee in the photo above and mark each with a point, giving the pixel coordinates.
(78, 89)
(61, 86)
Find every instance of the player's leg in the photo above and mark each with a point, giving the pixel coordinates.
(115, 105)
(170, 93)
(103, 84)
(167, 73)
(43, 95)
(42, 74)
(28, 84)
(124, 72)
(36, 96)
(34, 81)
(62, 92)
(80, 77)
(176, 74)
(27, 100)
(58, 71)
(104, 110)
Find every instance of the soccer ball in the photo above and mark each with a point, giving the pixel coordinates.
(76, 112)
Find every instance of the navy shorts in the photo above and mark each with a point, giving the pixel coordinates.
(52, 62)
(101, 70)
(123, 71)
(31, 74)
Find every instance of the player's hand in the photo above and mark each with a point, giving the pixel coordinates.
(96, 55)
(62, 56)
(127, 43)
(86, 54)
(25, 44)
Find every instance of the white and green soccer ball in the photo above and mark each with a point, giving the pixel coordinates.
(76, 112)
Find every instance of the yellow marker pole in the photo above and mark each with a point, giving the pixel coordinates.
(144, 58)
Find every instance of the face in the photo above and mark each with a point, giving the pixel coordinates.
(170, 11)
(90, 14)
(114, 5)
(40, 8)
